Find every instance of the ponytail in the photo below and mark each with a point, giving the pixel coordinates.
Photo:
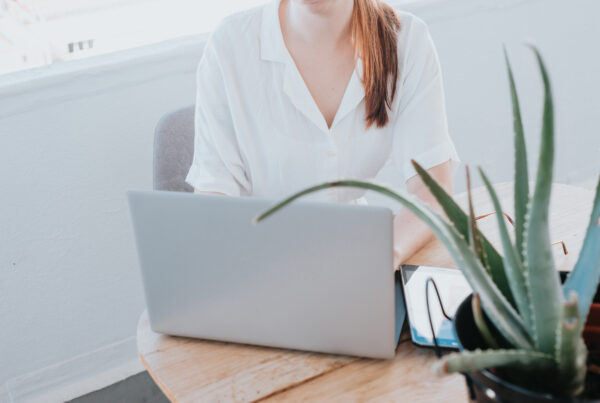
(375, 27)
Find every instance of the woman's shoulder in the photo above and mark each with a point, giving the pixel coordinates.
(412, 28)
(237, 30)
(415, 45)
(417, 56)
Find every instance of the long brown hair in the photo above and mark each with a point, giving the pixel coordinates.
(375, 27)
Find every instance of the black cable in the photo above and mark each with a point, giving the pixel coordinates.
(437, 292)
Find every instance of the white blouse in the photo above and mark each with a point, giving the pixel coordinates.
(259, 132)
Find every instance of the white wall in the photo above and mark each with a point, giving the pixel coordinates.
(479, 110)
(71, 144)
(75, 137)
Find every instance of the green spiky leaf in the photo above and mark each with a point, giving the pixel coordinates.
(515, 272)
(461, 222)
(468, 361)
(585, 276)
(546, 296)
(571, 352)
(521, 186)
(474, 234)
(479, 318)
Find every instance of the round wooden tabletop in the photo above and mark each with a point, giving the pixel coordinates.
(191, 370)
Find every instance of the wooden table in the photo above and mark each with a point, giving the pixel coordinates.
(189, 370)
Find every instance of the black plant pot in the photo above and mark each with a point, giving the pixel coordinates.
(485, 386)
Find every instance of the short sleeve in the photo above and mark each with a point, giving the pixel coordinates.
(217, 165)
(421, 128)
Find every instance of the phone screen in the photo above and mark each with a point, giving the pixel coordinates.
(453, 288)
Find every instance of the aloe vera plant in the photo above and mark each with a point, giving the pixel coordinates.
(520, 290)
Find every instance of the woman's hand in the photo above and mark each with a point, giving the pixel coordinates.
(410, 233)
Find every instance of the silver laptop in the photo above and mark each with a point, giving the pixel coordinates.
(315, 276)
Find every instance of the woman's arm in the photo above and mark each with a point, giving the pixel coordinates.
(410, 233)
(217, 166)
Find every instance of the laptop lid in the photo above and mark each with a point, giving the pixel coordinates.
(314, 276)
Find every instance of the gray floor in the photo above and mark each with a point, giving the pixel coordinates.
(138, 388)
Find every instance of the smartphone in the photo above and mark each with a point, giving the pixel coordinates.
(453, 288)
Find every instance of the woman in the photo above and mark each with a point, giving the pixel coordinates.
(299, 92)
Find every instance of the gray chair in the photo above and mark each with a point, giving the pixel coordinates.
(173, 150)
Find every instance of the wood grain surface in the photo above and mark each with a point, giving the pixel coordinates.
(189, 370)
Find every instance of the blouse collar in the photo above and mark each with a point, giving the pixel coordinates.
(273, 48)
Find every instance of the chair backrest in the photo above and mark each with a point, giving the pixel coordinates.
(174, 150)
